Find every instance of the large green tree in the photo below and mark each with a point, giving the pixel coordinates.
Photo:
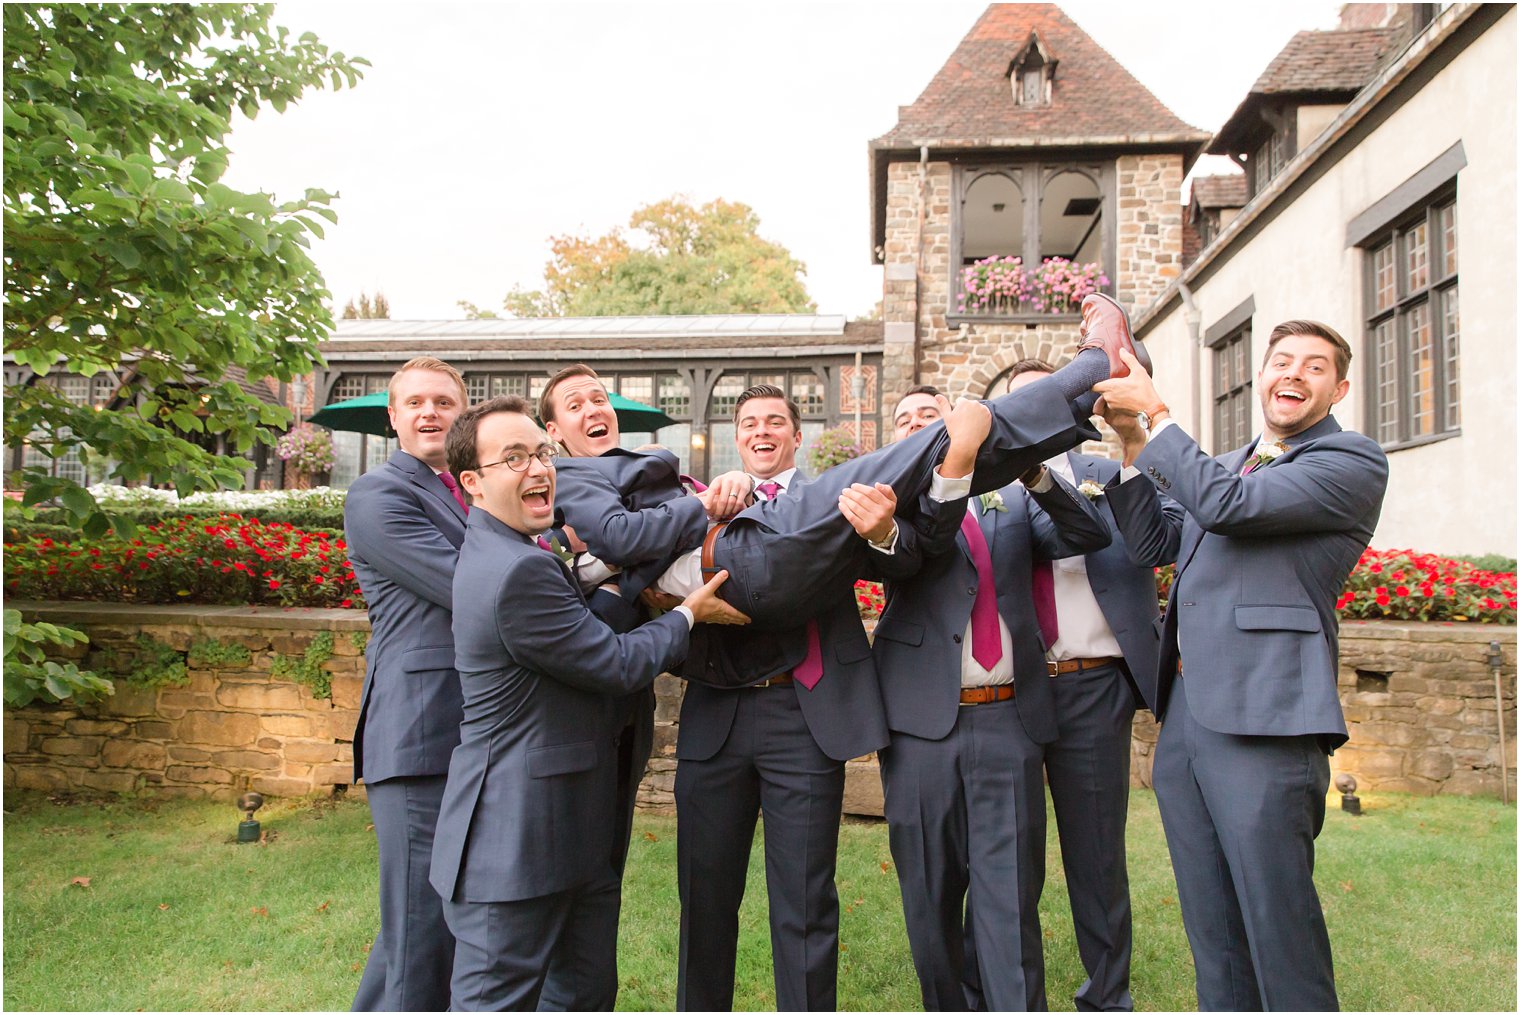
(127, 258)
(683, 259)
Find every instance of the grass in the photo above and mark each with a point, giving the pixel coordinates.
(1419, 895)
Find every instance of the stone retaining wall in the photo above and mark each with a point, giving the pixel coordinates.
(1420, 708)
(231, 727)
(1419, 702)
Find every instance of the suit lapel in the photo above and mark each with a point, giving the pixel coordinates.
(424, 477)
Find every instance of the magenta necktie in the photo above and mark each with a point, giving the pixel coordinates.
(448, 481)
(1044, 587)
(810, 670)
(696, 485)
(986, 637)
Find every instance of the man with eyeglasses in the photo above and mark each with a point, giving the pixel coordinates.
(524, 840)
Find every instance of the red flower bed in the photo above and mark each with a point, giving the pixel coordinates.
(1384, 585)
(226, 559)
(1405, 585)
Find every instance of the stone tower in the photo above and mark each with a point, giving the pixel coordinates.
(1032, 167)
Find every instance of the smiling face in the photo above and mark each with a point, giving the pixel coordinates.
(583, 420)
(765, 436)
(521, 500)
(422, 408)
(1298, 384)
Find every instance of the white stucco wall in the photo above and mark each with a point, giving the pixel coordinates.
(1455, 495)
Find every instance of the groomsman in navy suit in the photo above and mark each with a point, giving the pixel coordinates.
(526, 825)
(970, 709)
(1097, 615)
(404, 522)
(1246, 686)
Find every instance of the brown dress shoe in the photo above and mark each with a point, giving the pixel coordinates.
(1105, 326)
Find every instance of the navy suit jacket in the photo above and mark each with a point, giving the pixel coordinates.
(1262, 560)
(403, 529)
(919, 638)
(1123, 578)
(529, 805)
(630, 510)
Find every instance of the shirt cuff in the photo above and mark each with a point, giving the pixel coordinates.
(1159, 427)
(888, 545)
(1127, 473)
(942, 489)
(1046, 482)
(685, 611)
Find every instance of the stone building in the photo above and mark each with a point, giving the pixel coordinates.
(1031, 142)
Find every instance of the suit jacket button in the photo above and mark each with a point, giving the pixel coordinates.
(971, 590)
(957, 638)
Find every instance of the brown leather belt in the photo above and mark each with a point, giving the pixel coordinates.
(986, 695)
(1078, 665)
(776, 681)
(708, 569)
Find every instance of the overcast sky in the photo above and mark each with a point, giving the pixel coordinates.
(483, 129)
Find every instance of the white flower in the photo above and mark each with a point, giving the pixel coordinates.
(1090, 488)
(993, 501)
(1266, 453)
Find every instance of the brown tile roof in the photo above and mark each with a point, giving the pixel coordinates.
(970, 103)
(1330, 65)
(1227, 190)
(1333, 61)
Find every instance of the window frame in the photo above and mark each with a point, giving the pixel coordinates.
(1040, 172)
(1405, 305)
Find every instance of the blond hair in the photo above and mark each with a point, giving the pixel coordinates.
(426, 363)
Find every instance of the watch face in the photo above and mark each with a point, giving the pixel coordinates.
(1144, 419)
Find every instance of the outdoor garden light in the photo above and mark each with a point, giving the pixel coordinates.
(248, 829)
(698, 441)
(1350, 802)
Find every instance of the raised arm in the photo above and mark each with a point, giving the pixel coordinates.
(624, 536)
(1064, 523)
(1332, 484)
(548, 628)
(1150, 521)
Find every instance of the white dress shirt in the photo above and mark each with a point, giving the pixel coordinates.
(1084, 632)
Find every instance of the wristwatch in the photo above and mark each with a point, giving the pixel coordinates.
(1144, 418)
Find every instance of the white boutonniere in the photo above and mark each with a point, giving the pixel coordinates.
(1090, 488)
(992, 501)
(1267, 452)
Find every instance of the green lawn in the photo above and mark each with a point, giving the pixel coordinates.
(1419, 895)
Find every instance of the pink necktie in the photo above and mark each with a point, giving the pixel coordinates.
(986, 637)
(544, 544)
(810, 670)
(696, 485)
(1044, 588)
(448, 481)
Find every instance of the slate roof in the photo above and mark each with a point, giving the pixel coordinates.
(1226, 190)
(969, 103)
(1331, 61)
(1329, 66)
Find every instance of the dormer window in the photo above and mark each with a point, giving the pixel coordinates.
(1030, 74)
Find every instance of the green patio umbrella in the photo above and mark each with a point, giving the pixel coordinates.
(367, 414)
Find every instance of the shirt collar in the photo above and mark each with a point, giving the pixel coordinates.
(783, 479)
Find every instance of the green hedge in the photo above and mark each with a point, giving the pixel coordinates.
(307, 517)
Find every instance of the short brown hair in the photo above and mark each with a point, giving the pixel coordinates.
(546, 397)
(460, 447)
(1317, 330)
(769, 391)
(917, 389)
(1030, 366)
(426, 363)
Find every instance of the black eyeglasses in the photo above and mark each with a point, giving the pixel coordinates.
(517, 461)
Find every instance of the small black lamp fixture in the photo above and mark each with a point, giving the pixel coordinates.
(1350, 802)
(248, 829)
